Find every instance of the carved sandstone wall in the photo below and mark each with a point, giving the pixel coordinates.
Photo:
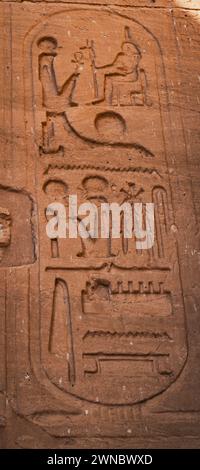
(98, 340)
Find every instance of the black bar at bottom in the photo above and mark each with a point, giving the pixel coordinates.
(80, 458)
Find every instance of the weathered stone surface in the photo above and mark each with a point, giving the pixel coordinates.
(99, 342)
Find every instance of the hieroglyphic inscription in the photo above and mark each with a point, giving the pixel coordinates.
(112, 316)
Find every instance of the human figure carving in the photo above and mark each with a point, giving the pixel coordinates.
(55, 99)
(123, 82)
(120, 83)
